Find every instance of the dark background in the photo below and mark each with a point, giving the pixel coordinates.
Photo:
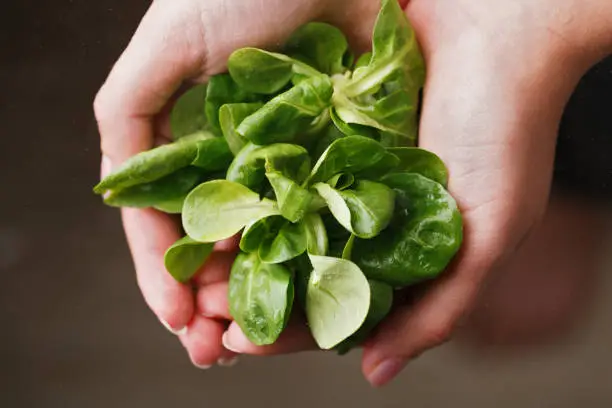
(74, 330)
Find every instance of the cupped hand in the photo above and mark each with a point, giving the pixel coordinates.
(179, 43)
(498, 78)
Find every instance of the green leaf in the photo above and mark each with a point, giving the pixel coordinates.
(213, 155)
(301, 269)
(316, 234)
(350, 154)
(341, 181)
(259, 231)
(223, 90)
(185, 257)
(290, 242)
(230, 116)
(187, 116)
(381, 301)
(320, 45)
(265, 72)
(353, 129)
(293, 200)
(260, 298)
(292, 112)
(421, 161)
(171, 187)
(337, 300)
(249, 166)
(219, 209)
(348, 248)
(363, 60)
(423, 237)
(365, 210)
(152, 164)
(173, 206)
(385, 93)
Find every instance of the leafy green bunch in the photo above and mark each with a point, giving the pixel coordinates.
(309, 154)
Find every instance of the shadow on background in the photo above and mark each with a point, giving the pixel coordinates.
(75, 331)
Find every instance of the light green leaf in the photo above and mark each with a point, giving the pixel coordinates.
(337, 300)
(316, 235)
(185, 257)
(381, 301)
(219, 209)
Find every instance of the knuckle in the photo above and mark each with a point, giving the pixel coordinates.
(438, 334)
(100, 105)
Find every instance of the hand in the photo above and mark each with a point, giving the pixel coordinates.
(180, 42)
(499, 76)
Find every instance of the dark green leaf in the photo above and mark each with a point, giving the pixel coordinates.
(421, 240)
(152, 164)
(172, 187)
(350, 154)
(187, 116)
(213, 155)
(421, 161)
(321, 45)
(365, 210)
(289, 113)
(341, 181)
(185, 257)
(223, 90)
(230, 116)
(259, 231)
(293, 200)
(265, 72)
(290, 242)
(249, 166)
(260, 298)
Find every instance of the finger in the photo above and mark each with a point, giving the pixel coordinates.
(295, 338)
(149, 234)
(212, 302)
(412, 329)
(216, 269)
(162, 53)
(228, 245)
(202, 340)
(478, 125)
(153, 66)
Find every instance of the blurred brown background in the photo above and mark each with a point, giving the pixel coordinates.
(74, 329)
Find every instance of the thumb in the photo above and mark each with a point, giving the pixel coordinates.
(495, 128)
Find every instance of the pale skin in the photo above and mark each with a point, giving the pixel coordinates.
(498, 77)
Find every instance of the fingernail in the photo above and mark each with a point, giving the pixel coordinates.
(106, 167)
(226, 343)
(176, 332)
(228, 362)
(202, 366)
(385, 371)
